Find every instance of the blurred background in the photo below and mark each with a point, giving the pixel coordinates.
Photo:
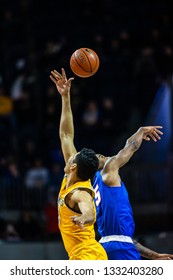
(132, 88)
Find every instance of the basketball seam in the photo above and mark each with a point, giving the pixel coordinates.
(88, 61)
(80, 65)
(94, 70)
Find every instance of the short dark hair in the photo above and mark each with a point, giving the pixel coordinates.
(87, 164)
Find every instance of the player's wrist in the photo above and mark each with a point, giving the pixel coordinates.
(154, 256)
(87, 218)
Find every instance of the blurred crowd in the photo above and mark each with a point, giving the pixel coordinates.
(134, 42)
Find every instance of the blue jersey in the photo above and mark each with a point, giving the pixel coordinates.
(114, 219)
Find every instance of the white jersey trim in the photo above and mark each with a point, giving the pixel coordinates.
(119, 238)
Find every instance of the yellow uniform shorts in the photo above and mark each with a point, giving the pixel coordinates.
(88, 250)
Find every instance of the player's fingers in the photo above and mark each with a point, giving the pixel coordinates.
(57, 74)
(54, 75)
(63, 74)
(156, 135)
(82, 227)
(158, 126)
(146, 138)
(75, 219)
(171, 257)
(70, 80)
(158, 131)
(153, 137)
(78, 222)
(68, 83)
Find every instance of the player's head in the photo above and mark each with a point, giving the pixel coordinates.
(85, 163)
(102, 159)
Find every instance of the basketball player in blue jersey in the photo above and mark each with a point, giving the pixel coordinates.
(114, 213)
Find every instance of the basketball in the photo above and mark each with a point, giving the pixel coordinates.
(84, 62)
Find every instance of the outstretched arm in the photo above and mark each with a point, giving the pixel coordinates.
(134, 142)
(150, 254)
(132, 145)
(66, 128)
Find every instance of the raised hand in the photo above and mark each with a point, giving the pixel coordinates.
(60, 80)
(152, 132)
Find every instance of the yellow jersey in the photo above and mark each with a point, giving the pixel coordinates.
(76, 241)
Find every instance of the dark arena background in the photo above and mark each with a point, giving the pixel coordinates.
(132, 88)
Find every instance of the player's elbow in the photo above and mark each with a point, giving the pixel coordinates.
(133, 145)
(62, 134)
(64, 137)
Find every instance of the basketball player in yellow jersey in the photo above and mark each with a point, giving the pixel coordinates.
(76, 207)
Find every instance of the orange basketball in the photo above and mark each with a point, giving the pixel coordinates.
(84, 62)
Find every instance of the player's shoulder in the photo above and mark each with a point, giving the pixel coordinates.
(82, 190)
(111, 165)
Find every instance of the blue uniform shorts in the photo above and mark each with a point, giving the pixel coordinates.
(121, 250)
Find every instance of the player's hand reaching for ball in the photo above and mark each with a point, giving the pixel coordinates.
(60, 80)
(152, 132)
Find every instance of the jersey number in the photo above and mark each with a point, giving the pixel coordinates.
(97, 195)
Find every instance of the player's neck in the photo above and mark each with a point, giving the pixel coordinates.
(71, 180)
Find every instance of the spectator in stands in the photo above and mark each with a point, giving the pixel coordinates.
(9, 174)
(6, 104)
(90, 116)
(90, 123)
(6, 110)
(37, 176)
